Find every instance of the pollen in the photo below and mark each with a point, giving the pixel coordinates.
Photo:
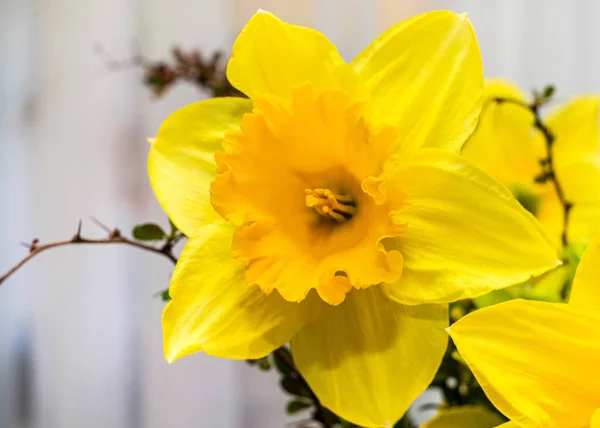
(334, 206)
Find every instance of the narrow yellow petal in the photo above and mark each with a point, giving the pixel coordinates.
(575, 126)
(576, 150)
(535, 361)
(369, 358)
(181, 161)
(585, 293)
(465, 417)
(425, 77)
(213, 308)
(271, 57)
(505, 143)
(465, 235)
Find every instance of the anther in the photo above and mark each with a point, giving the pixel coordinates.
(340, 208)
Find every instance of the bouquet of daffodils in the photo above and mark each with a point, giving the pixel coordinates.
(345, 220)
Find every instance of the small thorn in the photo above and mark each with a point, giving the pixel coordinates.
(102, 225)
(77, 236)
(32, 246)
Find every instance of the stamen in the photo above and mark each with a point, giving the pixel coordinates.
(340, 208)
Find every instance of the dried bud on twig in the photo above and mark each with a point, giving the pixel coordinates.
(192, 66)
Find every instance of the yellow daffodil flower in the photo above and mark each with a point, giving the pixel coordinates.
(337, 214)
(539, 363)
(507, 146)
(465, 417)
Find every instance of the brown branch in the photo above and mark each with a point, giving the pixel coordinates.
(114, 237)
(549, 172)
(207, 72)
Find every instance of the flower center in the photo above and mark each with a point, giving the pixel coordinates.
(330, 205)
(317, 228)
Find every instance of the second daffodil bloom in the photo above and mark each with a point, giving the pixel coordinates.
(507, 146)
(331, 211)
(539, 362)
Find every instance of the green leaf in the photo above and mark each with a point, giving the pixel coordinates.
(165, 296)
(264, 364)
(281, 365)
(173, 228)
(549, 91)
(297, 405)
(405, 422)
(294, 386)
(148, 232)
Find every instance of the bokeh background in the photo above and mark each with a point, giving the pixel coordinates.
(80, 339)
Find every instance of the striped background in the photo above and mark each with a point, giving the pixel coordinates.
(80, 342)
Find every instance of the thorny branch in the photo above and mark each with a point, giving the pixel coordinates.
(206, 72)
(549, 172)
(114, 237)
(165, 249)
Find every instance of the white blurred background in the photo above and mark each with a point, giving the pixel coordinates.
(80, 338)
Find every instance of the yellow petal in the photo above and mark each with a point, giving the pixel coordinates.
(595, 422)
(214, 310)
(181, 161)
(425, 77)
(465, 417)
(505, 143)
(576, 148)
(585, 293)
(369, 358)
(465, 235)
(575, 128)
(535, 361)
(509, 425)
(273, 57)
(550, 215)
(584, 221)
(580, 180)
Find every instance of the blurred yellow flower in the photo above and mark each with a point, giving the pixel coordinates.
(507, 146)
(539, 362)
(345, 179)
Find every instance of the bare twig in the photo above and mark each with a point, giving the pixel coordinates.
(207, 72)
(549, 172)
(114, 237)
